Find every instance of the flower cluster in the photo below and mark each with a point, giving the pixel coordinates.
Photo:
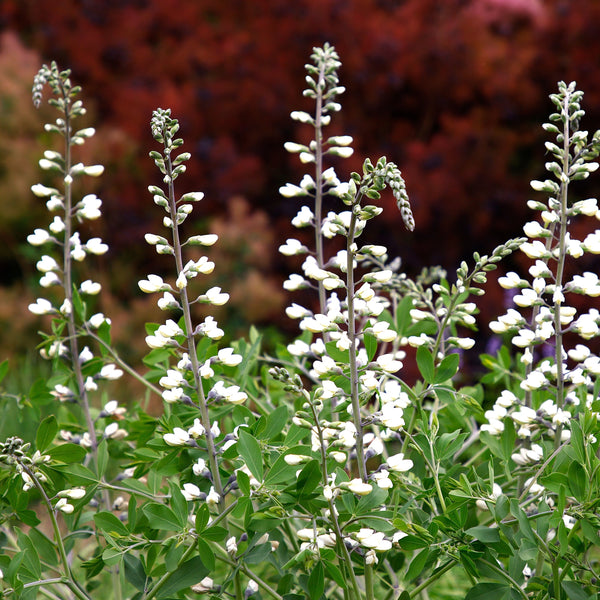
(556, 381)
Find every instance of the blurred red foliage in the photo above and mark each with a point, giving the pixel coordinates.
(454, 92)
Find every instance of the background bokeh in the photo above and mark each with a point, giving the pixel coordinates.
(453, 91)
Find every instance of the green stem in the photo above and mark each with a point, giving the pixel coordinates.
(191, 342)
(354, 384)
(369, 582)
(70, 580)
(151, 593)
(432, 578)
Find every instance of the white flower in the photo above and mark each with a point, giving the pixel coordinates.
(172, 395)
(535, 249)
(41, 307)
(295, 282)
(216, 297)
(369, 538)
(110, 372)
(49, 279)
(197, 429)
(95, 246)
(38, 237)
(210, 329)
(359, 487)
(295, 311)
(94, 170)
(47, 263)
(388, 363)
(292, 247)
(90, 287)
(89, 207)
(41, 191)
(231, 545)
(154, 283)
(304, 217)
(524, 416)
(569, 521)
(179, 437)
(85, 355)
(398, 463)
(208, 239)
(73, 493)
(227, 357)
(97, 320)
(383, 480)
(212, 499)
(190, 491)
(64, 506)
(533, 229)
(199, 467)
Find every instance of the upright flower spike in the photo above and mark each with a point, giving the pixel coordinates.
(183, 383)
(63, 244)
(544, 316)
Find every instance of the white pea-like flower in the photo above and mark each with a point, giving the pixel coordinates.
(212, 498)
(304, 217)
(64, 506)
(398, 463)
(172, 395)
(89, 207)
(90, 287)
(41, 191)
(179, 437)
(216, 297)
(190, 492)
(46, 264)
(96, 246)
(291, 191)
(49, 279)
(197, 429)
(38, 237)
(388, 363)
(110, 372)
(41, 307)
(292, 247)
(359, 487)
(154, 283)
(535, 249)
(97, 320)
(228, 358)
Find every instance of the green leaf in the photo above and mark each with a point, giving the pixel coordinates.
(521, 517)
(488, 591)
(178, 503)
(309, 478)
(134, 571)
(333, 572)
(243, 482)
(186, 575)
(67, 453)
(487, 535)
(403, 318)
(206, 554)
(417, 565)
(162, 517)
(316, 582)
(249, 450)
(110, 524)
(574, 590)
(102, 458)
(447, 368)
(425, 364)
(370, 342)
(276, 421)
(3, 369)
(46, 433)
(578, 481)
(202, 517)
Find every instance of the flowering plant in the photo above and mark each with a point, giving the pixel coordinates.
(321, 471)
